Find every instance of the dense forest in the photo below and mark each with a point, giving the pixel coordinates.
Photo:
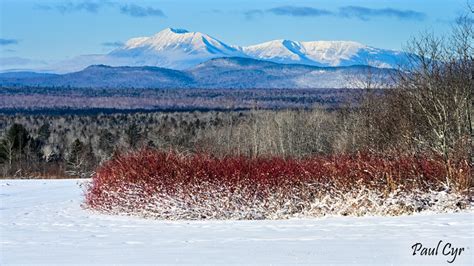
(46, 145)
(92, 100)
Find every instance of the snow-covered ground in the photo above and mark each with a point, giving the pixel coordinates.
(41, 222)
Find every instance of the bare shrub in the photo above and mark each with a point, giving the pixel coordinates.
(174, 186)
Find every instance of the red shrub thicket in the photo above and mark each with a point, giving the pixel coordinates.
(167, 185)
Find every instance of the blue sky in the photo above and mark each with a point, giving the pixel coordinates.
(59, 29)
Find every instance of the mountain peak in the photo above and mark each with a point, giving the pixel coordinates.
(159, 39)
(177, 31)
(174, 48)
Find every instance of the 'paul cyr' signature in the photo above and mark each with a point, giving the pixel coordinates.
(446, 249)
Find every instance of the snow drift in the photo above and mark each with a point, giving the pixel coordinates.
(41, 222)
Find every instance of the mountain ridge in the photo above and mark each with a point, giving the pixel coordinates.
(181, 49)
(229, 72)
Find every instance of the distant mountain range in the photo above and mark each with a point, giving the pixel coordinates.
(178, 58)
(226, 72)
(180, 49)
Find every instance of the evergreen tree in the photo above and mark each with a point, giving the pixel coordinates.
(133, 135)
(74, 159)
(17, 137)
(44, 132)
(107, 142)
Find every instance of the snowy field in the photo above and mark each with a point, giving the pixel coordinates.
(41, 222)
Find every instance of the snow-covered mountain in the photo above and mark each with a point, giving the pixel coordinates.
(174, 48)
(180, 49)
(324, 53)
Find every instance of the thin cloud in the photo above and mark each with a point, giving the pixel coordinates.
(358, 12)
(296, 11)
(113, 44)
(139, 11)
(70, 7)
(365, 13)
(4, 42)
(94, 6)
(251, 14)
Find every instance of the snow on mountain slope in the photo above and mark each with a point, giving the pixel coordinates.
(331, 53)
(281, 51)
(179, 40)
(173, 48)
(324, 53)
(180, 49)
